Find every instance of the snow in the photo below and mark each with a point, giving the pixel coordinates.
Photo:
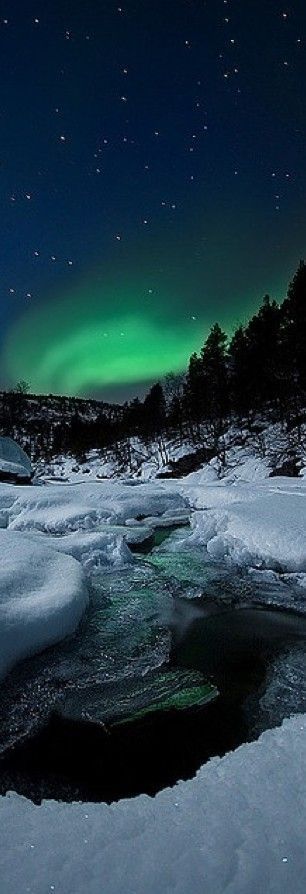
(14, 462)
(239, 827)
(260, 525)
(53, 533)
(96, 550)
(58, 509)
(52, 537)
(68, 469)
(42, 597)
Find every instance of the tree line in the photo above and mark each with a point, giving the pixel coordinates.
(260, 369)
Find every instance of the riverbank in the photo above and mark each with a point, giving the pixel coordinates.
(244, 803)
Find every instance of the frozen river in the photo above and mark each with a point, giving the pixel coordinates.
(175, 661)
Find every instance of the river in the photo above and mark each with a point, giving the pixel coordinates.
(177, 660)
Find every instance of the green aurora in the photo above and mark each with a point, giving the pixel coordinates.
(79, 345)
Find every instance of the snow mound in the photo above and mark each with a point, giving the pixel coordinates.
(42, 597)
(239, 827)
(260, 525)
(14, 462)
(96, 550)
(60, 509)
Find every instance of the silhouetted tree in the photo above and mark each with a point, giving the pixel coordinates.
(154, 411)
(263, 349)
(215, 375)
(239, 384)
(293, 344)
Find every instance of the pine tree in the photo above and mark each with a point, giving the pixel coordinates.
(263, 341)
(154, 411)
(195, 398)
(239, 374)
(294, 346)
(215, 374)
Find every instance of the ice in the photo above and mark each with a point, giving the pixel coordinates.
(50, 535)
(96, 550)
(239, 827)
(285, 690)
(43, 595)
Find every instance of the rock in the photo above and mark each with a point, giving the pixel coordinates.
(15, 465)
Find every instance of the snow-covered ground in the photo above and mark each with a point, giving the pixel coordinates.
(246, 455)
(256, 525)
(239, 827)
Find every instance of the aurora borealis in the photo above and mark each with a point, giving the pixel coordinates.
(152, 181)
(62, 355)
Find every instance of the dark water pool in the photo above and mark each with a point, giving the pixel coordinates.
(176, 662)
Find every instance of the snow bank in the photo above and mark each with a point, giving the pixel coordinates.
(42, 597)
(59, 509)
(238, 828)
(96, 550)
(44, 530)
(259, 525)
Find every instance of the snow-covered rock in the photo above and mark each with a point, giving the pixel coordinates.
(15, 465)
(43, 595)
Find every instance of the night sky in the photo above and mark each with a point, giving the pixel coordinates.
(152, 181)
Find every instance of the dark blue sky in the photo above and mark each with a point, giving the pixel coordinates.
(152, 165)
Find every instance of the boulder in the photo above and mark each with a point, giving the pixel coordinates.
(15, 465)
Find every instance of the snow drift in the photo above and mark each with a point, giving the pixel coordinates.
(239, 827)
(42, 597)
(255, 525)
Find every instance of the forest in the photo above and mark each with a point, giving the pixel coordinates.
(261, 369)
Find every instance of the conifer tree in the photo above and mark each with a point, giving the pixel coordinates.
(215, 375)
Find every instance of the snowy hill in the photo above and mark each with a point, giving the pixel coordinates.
(243, 454)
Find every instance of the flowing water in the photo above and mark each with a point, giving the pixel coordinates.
(178, 659)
